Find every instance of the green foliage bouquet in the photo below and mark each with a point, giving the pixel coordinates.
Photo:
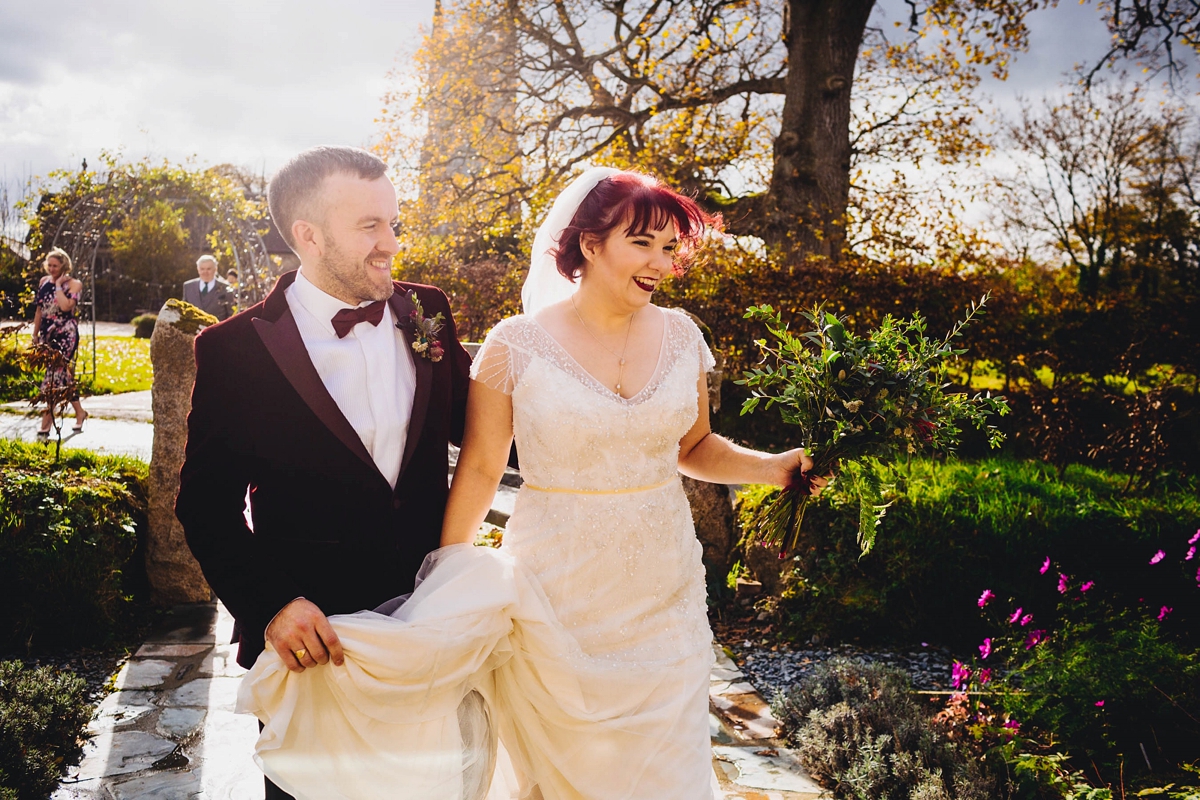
(857, 399)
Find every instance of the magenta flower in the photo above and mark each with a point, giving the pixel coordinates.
(1045, 566)
(1063, 583)
(1195, 538)
(1163, 612)
(1034, 639)
(1157, 557)
(985, 676)
(985, 649)
(986, 597)
(1016, 615)
(1011, 727)
(1087, 586)
(1025, 620)
(1099, 704)
(960, 674)
(1191, 553)
(1198, 577)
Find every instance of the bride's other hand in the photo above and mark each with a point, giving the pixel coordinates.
(792, 460)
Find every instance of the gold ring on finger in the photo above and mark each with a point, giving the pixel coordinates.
(300, 654)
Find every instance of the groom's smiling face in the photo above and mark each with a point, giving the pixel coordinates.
(354, 240)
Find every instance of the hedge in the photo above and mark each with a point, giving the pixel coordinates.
(68, 535)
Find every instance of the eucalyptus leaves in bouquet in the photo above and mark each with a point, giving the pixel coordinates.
(855, 399)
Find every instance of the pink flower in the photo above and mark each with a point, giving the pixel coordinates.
(1163, 612)
(987, 595)
(960, 674)
(1191, 553)
(1198, 577)
(985, 676)
(1011, 727)
(1045, 566)
(1063, 583)
(1157, 557)
(1034, 639)
(1099, 704)
(1195, 538)
(1025, 620)
(1016, 615)
(985, 649)
(1087, 586)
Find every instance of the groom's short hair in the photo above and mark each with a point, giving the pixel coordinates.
(294, 190)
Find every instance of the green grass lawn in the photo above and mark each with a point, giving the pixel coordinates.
(122, 365)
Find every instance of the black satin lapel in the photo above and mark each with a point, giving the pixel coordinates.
(283, 342)
(401, 306)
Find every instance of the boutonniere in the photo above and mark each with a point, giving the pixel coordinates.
(425, 330)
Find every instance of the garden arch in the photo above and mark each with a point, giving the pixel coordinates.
(92, 210)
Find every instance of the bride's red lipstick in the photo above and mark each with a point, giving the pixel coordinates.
(645, 287)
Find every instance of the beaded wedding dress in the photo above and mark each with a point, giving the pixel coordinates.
(582, 644)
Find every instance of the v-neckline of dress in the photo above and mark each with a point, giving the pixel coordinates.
(634, 399)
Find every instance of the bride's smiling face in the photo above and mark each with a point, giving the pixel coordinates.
(629, 266)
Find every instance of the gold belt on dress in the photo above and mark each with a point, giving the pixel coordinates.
(597, 491)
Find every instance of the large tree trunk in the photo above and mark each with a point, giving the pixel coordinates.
(804, 209)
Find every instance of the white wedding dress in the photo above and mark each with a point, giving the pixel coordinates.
(582, 644)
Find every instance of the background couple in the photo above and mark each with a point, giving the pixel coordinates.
(582, 645)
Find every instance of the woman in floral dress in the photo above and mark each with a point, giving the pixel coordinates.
(56, 325)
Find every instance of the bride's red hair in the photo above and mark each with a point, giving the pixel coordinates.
(647, 204)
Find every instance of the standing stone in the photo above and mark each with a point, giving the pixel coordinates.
(712, 514)
(174, 575)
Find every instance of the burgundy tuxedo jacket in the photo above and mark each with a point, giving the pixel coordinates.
(327, 526)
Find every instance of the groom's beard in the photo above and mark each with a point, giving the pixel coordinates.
(356, 277)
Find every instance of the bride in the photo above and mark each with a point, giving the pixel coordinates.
(582, 645)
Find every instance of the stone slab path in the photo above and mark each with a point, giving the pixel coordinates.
(105, 436)
(168, 730)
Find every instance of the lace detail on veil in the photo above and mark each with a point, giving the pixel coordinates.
(510, 347)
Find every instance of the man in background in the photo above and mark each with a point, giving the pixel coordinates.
(208, 292)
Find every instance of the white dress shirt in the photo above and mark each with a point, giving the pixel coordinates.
(370, 373)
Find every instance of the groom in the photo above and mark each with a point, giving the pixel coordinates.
(316, 405)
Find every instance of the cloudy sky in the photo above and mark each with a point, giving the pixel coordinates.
(253, 81)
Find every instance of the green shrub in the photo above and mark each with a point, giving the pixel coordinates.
(860, 733)
(67, 535)
(955, 528)
(143, 325)
(1148, 684)
(43, 714)
(15, 380)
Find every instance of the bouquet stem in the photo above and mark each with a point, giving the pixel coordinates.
(785, 515)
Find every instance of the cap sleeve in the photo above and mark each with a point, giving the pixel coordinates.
(707, 361)
(493, 364)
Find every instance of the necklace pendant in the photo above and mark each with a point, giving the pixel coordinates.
(618, 388)
(622, 362)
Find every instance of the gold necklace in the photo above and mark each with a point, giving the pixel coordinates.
(621, 356)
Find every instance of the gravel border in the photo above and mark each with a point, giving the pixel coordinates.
(774, 670)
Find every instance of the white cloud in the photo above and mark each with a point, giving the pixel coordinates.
(244, 81)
